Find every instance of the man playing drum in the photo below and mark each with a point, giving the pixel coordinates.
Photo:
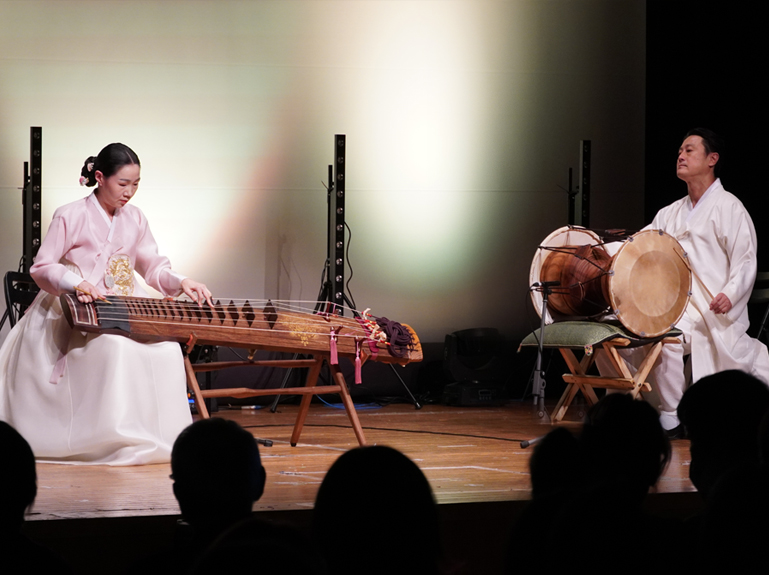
(716, 231)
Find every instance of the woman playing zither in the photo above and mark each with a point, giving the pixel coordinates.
(90, 398)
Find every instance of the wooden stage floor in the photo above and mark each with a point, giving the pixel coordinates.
(468, 454)
(471, 456)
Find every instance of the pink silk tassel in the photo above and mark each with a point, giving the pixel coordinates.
(358, 377)
(332, 347)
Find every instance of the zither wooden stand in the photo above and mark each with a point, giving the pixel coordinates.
(310, 388)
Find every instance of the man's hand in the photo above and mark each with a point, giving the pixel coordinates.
(720, 304)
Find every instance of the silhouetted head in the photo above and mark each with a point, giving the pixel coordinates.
(217, 471)
(18, 478)
(377, 498)
(623, 441)
(554, 465)
(722, 414)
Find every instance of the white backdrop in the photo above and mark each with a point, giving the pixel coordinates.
(462, 118)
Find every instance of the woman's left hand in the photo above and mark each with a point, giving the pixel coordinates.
(197, 291)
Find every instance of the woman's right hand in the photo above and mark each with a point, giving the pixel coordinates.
(86, 292)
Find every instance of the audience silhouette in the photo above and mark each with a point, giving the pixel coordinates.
(379, 504)
(18, 489)
(218, 475)
(376, 512)
(596, 503)
(554, 465)
(254, 546)
(724, 415)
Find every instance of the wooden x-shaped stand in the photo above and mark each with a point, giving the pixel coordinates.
(579, 380)
(311, 388)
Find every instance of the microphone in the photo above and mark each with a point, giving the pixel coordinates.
(545, 284)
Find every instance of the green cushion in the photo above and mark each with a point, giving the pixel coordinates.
(580, 334)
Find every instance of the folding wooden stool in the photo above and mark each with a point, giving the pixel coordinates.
(591, 337)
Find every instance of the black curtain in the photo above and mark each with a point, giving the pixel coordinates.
(706, 66)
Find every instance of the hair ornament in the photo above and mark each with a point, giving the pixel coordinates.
(87, 173)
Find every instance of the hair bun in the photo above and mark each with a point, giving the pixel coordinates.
(88, 173)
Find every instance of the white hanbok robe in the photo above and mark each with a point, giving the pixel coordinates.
(88, 398)
(720, 240)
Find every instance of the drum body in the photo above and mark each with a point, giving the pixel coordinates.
(646, 285)
(562, 239)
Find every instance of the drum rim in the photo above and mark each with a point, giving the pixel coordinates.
(637, 330)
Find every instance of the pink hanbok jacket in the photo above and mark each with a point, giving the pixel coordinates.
(82, 244)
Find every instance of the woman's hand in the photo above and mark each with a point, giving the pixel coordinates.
(197, 291)
(86, 292)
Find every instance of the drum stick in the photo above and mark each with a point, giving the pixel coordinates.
(702, 283)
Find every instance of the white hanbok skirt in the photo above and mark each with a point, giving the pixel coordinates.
(116, 402)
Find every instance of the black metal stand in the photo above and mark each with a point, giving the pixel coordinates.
(31, 200)
(333, 292)
(538, 389)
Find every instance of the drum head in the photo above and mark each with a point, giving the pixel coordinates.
(649, 283)
(566, 236)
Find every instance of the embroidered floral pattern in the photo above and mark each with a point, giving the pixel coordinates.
(119, 275)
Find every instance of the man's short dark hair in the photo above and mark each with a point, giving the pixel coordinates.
(216, 466)
(712, 143)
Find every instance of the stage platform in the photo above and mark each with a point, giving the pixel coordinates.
(99, 515)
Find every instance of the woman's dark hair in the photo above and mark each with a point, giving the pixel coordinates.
(109, 161)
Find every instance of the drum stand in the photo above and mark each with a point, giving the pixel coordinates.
(538, 388)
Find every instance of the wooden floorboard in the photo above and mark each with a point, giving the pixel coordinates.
(469, 455)
(102, 519)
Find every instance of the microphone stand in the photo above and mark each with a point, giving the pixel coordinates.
(538, 388)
